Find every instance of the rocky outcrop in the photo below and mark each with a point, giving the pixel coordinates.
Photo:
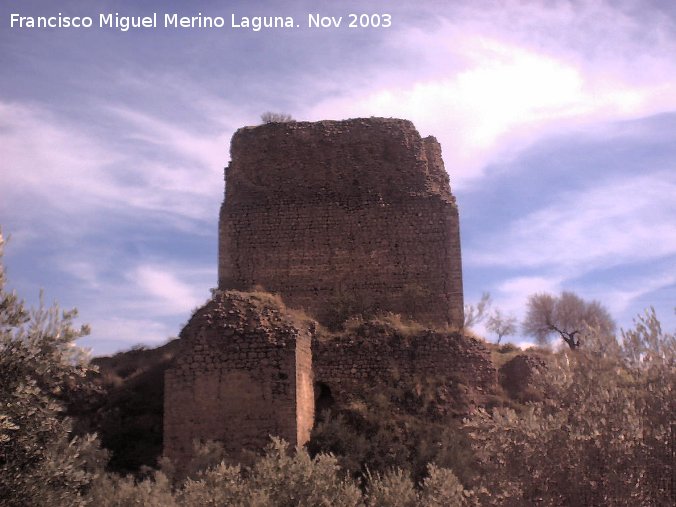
(518, 374)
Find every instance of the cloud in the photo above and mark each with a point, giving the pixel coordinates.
(154, 166)
(164, 291)
(635, 288)
(489, 82)
(204, 149)
(513, 292)
(599, 227)
(124, 332)
(85, 271)
(95, 199)
(50, 160)
(148, 304)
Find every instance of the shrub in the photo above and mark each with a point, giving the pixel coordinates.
(41, 463)
(269, 117)
(112, 490)
(394, 488)
(398, 426)
(278, 478)
(599, 437)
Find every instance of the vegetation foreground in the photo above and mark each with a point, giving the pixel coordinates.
(596, 429)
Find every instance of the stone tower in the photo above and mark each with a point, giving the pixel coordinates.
(355, 214)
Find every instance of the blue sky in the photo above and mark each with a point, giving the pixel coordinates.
(557, 122)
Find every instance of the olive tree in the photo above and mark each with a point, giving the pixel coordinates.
(567, 316)
(477, 313)
(283, 478)
(41, 462)
(501, 325)
(603, 434)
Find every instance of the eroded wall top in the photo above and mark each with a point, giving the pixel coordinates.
(352, 160)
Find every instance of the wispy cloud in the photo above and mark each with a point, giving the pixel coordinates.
(112, 334)
(494, 82)
(85, 271)
(165, 292)
(51, 161)
(155, 166)
(634, 288)
(512, 293)
(205, 149)
(147, 304)
(622, 222)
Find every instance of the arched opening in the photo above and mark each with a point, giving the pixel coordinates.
(323, 400)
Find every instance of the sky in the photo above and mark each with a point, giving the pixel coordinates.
(557, 121)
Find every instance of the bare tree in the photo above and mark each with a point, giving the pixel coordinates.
(474, 314)
(501, 325)
(270, 117)
(567, 315)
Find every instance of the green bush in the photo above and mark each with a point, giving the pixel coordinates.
(599, 432)
(601, 435)
(41, 462)
(398, 426)
(270, 117)
(282, 479)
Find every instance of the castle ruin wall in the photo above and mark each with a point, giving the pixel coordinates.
(353, 215)
(373, 354)
(244, 373)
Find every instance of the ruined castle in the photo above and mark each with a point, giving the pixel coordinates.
(335, 218)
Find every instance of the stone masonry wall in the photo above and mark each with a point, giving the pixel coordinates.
(375, 352)
(357, 211)
(244, 374)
